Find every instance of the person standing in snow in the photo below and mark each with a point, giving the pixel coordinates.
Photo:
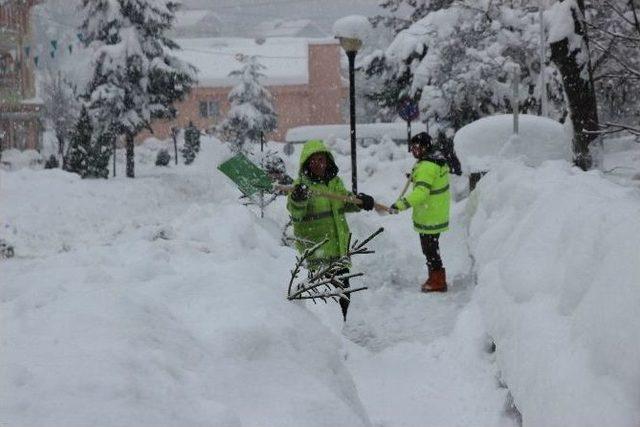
(430, 203)
(316, 218)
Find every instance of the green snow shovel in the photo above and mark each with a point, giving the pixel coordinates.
(250, 179)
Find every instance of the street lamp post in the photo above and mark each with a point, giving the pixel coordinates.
(351, 30)
(351, 47)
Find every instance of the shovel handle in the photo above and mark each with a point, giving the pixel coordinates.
(406, 186)
(341, 197)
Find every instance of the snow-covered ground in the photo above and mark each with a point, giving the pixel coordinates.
(161, 301)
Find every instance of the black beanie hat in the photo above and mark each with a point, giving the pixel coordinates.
(422, 139)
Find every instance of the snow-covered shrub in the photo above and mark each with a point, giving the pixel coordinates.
(6, 250)
(163, 158)
(191, 143)
(52, 162)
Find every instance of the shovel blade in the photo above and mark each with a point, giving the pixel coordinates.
(249, 178)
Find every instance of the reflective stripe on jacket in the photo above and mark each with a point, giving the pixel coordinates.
(429, 199)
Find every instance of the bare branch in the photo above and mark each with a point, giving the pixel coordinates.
(609, 128)
(329, 280)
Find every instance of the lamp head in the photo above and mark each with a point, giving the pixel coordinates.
(350, 44)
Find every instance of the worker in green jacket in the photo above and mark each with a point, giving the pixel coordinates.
(316, 218)
(429, 200)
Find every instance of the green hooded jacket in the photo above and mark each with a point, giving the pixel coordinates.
(317, 218)
(430, 197)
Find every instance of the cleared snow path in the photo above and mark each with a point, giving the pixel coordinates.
(417, 359)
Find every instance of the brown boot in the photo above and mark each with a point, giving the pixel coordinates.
(437, 282)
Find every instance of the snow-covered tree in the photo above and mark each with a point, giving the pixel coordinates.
(614, 39)
(61, 107)
(191, 143)
(457, 63)
(252, 113)
(134, 77)
(398, 15)
(88, 154)
(567, 37)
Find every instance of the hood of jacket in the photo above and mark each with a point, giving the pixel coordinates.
(310, 148)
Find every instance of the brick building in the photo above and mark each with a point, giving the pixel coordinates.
(19, 114)
(303, 75)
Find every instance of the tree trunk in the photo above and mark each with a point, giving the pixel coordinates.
(130, 159)
(61, 149)
(578, 85)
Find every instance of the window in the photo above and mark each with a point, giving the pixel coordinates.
(209, 109)
(7, 67)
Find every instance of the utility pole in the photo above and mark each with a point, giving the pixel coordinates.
(174, 136)
(262, 167)
(515, 103)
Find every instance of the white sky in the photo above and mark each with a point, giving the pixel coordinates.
(244, 14)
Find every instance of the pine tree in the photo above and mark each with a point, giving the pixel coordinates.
(252, 113)
(79, 145)
(87, 155)
(134, 78)
(191, 143)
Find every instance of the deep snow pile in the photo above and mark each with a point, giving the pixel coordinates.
(160, 301)
(556, 254)
(156, 301)
(491, 139)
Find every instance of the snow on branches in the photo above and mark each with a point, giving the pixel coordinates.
(134, 76)
(252, 114)
(456, 60)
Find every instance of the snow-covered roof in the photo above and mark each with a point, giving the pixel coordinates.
(395, 131)
(480, 143)
(285, 59)
(190, 18)
(289, 28)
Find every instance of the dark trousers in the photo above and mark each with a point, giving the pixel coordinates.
(431, 249)
(344, 302)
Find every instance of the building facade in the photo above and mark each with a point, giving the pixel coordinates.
(312, 95)
(20, 125)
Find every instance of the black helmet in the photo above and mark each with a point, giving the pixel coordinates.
(423, 139)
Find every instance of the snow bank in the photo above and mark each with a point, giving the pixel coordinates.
(396, 131)
(483, 142)
(558, 274)
(14, 159)
(156, 301)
